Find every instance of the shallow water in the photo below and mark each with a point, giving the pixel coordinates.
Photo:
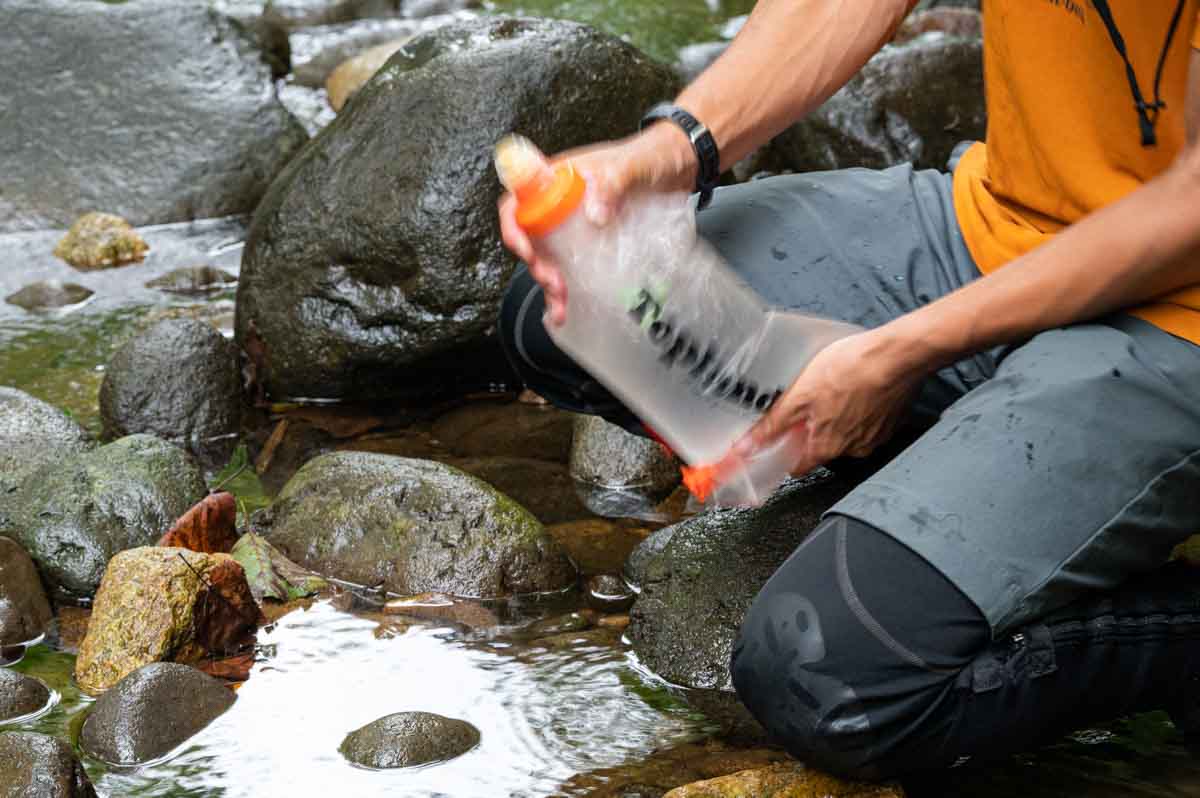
(545, 713)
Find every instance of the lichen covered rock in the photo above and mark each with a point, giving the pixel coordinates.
(413, 526)
(74, 515)
(784, 780)
(101, 241)
(163, 604)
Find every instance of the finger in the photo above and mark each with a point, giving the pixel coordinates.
(511, 233)
(607, 184)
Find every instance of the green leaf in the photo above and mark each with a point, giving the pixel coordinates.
(270, 574)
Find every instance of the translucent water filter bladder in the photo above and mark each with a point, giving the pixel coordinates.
(657, 317)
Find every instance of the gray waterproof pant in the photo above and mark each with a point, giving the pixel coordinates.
(1047, 470)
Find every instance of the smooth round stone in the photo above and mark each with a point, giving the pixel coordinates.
(407, 739)
(609, 593)
(193, 280)
(20, 695)
(49, 295)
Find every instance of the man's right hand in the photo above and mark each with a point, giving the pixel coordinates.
(659, 159)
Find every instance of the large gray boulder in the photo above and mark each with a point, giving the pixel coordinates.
(157, 112)
(24, 610)
(37, 765)
(32, 434)
(73, 516)
(151, 711)
(375, 260)
(697, 588)
(180, 381)
(407, 739)
(413, 526)
(910, 103)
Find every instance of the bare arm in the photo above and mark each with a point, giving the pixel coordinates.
(1143, 246)
(790, 57)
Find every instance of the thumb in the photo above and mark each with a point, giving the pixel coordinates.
(607, 186)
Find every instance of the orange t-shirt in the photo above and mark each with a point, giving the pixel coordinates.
(1063, 138)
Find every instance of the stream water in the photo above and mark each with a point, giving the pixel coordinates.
(549, 710)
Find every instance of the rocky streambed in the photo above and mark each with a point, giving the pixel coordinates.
(275, 520)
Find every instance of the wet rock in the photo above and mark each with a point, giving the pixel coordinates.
(413, 526)
(618, 623)
(634, 569)
(210, 527)
(351, 74)
(784, 780)
(316, 52)
(20, 695)
(151, 711)
(407, 739)
(33, 434)
(598, 546)
(180, 381)
(161, 604)
(668, 768)
(442, 607)
(101, 241)
(695, 58)
(48, 295)
(608, 593)
(605, 455)
(483, 429)
(166, 114)
(695, 592)
(962, 22)
(73, 516)
(908, 104)
(24, 610)
(42, 766)
(544, 489)
(402, 281)
(193, 280)
(558, 625)
(574, 641)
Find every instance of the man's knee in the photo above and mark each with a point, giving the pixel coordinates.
(522, 302)
(839, 676)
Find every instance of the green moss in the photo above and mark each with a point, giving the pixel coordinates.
(658, 28)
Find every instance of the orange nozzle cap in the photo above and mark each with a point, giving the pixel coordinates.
(546, 195)
(701, 481)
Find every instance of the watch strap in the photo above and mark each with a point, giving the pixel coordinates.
(703, 143)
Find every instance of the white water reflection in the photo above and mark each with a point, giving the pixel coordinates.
(544, 715)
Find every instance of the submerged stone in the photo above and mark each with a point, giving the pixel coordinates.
(151, 711)
(397, 289)
(101, 241)
(42, 766)
(191, 280)
(411, 526)
(407, 739)
(784, 780)
(49, 295)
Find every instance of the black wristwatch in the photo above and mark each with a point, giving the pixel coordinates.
(702, 142)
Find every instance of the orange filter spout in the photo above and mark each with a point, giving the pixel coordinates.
(546, 195)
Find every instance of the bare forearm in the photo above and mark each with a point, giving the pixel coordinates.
(1136, 249)
(790, 57)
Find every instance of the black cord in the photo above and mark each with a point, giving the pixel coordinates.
(1146, 121)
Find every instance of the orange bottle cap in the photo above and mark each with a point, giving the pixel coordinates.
(545, 203)
(546, 195)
